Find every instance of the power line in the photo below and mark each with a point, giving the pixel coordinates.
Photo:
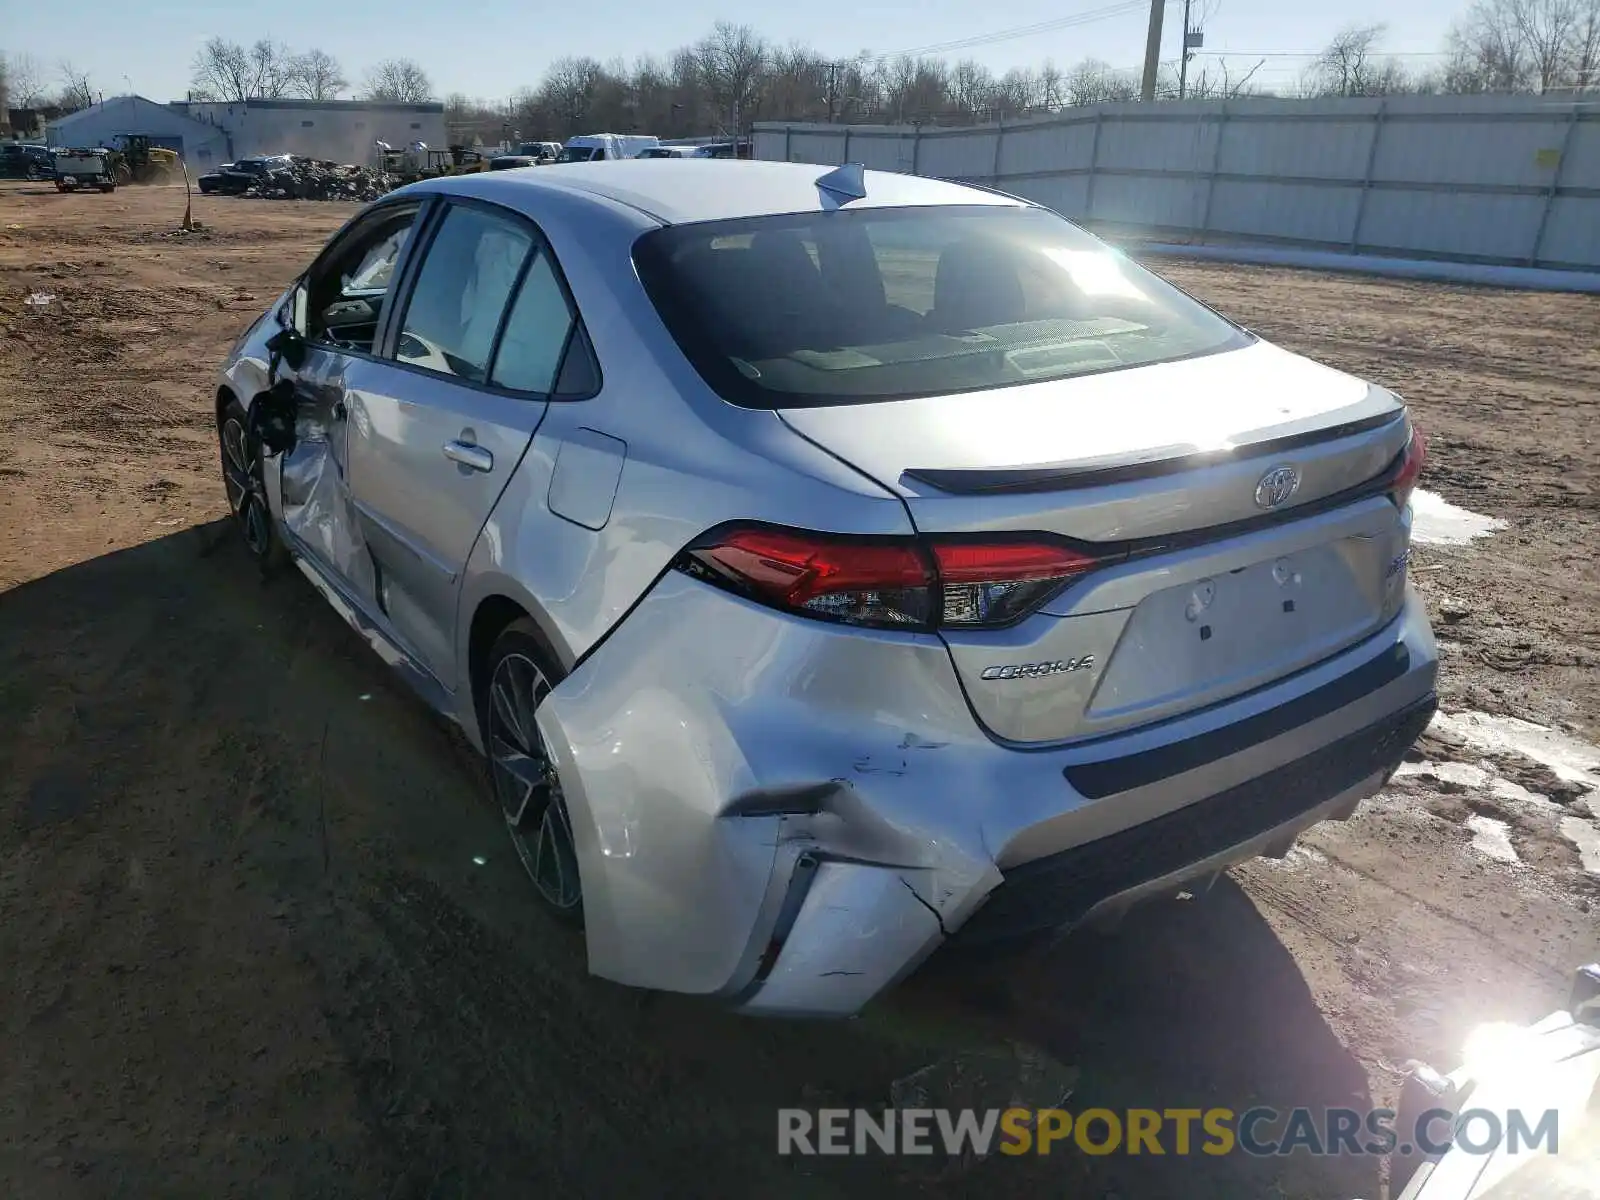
(1319, 53)
(1018, 31)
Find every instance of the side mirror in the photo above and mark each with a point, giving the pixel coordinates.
(289, 344)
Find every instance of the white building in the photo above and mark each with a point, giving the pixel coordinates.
(208, 134)
(340, 130)
(202, 145)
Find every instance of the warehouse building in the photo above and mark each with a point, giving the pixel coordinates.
(341, 130)
(201, 145)
(210, 133)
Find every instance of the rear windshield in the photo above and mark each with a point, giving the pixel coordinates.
(844, 307)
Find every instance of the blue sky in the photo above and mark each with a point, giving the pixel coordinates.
(504, 44)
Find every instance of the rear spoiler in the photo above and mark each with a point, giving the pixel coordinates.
(1148, 464)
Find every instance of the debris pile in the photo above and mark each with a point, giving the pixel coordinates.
(317, 179)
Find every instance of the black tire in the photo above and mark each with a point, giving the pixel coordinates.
(245, 486)
(519, 673)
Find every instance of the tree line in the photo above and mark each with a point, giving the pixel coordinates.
(733, 76)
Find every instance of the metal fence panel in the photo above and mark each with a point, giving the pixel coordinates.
(968, 156)
(1283, 211)
(1505, 179)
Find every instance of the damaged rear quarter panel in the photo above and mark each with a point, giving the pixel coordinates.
(709, 732)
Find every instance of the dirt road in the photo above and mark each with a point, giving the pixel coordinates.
(261, 934)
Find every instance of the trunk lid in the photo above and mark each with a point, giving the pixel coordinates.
(1215, 592)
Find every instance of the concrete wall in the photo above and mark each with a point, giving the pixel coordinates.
(341, 130)
(1510, 180)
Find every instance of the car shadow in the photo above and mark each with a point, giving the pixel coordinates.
(250, 853)
(1186, 1004)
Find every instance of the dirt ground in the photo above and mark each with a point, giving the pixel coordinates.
(260, 933)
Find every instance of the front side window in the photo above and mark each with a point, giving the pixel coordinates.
(348, 292)
(461, 292)
(845, 307)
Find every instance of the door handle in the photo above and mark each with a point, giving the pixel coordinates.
(474, 458)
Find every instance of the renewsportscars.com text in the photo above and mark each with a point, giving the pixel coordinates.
(1179, 1131)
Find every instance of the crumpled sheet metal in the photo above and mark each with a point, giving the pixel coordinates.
(316, 503)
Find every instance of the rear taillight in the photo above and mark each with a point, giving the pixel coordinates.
(995, 583)
(903, 583)
(865, 582)
(1411, 462)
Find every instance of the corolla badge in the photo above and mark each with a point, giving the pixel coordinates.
(1036, 670)
(1277, 486)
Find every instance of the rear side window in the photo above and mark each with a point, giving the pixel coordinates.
(536, 332)
(845, 307)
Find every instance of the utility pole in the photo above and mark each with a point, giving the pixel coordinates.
(833, 70)
(1183, 63)
(1152, 51)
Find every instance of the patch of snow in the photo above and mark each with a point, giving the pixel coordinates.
(1492, 838)
(1585, 835)
(1437, 522)
(1464, 774)
(1515, 793)
(1569, 758)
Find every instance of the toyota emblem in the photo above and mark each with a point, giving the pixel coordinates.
(1277, 486)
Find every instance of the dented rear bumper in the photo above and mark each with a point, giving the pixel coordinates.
(793, 815)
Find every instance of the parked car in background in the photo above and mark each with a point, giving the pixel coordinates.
(24, 160)
(80, 170)
(609, 147)
(670, 152)
(739, 149)
(236, 178)
(540, 151)
(211, 181)
(832, 564)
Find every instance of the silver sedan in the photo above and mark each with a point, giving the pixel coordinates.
(834, 564)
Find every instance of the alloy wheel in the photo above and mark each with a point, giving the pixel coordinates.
(246, 497)
(525, 783)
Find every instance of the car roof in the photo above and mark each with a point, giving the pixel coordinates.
(678, 191)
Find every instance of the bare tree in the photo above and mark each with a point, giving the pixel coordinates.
(1489, 50)
(231, 71)
(25, 81)
(971, 88)
(399, 81)
(732, 62)
(1547, 28)
(1095, 82)
(1050, 85)
(1348, 66)
(1217, 81)
(317, 75)
(1586, 49)
(568, 91)
(77, 91)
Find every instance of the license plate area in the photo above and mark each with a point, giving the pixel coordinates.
(1203, 640)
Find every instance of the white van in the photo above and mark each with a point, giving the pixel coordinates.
(594, 147)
